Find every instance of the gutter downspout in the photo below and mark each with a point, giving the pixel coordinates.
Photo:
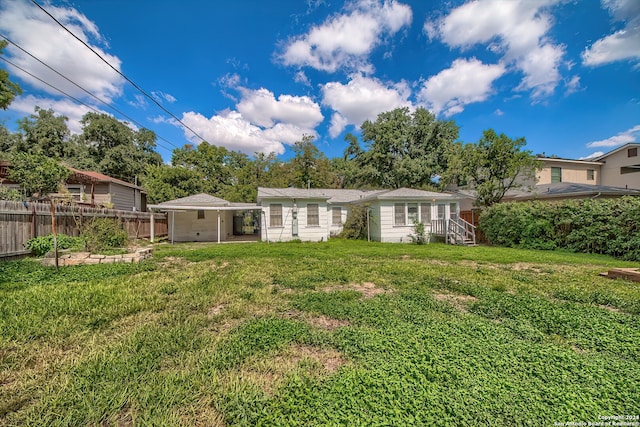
(597, 195)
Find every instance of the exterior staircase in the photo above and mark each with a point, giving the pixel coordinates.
(456, 231)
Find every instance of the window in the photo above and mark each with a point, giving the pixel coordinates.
(425, 213)
(632, 152)
(336, 216)
(591, 174)
(275, 215)
(398, 214)
(556, 175)
(412, 210)
(200, 213)
(313, 219)
(441, 211)
(453, 210)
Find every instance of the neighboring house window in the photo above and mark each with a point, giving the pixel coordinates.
(591, 174)
(313, 219)
(398, 211)
(425, 213)
(412, 212)
(336, 216)
(200, 213)
(632, 152)
(441, 211)
(275, 215)
(556, 175)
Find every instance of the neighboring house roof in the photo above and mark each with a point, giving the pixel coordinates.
(84, 176)
(625, 146)
(559, 190)
(569, 189)
(337, 196)
(202, 201)
(560, 160)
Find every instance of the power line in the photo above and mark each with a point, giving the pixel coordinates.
(61, 91)
(119, 72)
(85, 90)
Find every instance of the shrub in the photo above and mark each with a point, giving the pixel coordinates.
(355, 227)
(10, 194)
(43, 244)
(103, 233)
(605, 226)
(420, 237)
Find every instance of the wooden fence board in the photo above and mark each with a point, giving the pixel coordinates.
(20, 221)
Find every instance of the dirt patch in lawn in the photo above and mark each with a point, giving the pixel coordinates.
(367, 289)
(270, 372)
(460, 302)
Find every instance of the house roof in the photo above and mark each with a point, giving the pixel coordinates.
(410, 193)
(84, 176)
(561, 160)
(202, 199)
(622, 147)
(569, 189)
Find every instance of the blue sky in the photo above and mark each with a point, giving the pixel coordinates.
(254, 75)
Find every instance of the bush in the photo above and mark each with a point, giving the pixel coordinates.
(10, 194)
(103, 233)
(43, 244)
(604, 226)
(420, 237)
(355, 227)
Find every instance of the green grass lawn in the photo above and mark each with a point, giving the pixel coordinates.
(335, 333)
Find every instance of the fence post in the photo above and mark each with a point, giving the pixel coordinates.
(34, 221)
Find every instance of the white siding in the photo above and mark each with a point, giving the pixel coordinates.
(336, 229)
(188, 228)
(305, 232)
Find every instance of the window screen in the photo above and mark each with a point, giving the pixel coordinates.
(275, 215)
(313, 218)
(590, 174)
(412, 212)
(398, 210)
(425, 213)
(336, 216)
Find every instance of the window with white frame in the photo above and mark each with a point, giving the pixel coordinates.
(441, 211)
(275, 215)
(453, 210)
(313, 218)
(336, 216)
(425, 213)
(399, 214)
(412, 212)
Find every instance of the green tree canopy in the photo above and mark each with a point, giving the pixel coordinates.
(36, 173)
(8, 89)
(310, 167)
(163, 182)
(44, 133)
(403, 149)
(492, 166)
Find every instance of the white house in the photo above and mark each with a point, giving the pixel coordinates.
(318, 214)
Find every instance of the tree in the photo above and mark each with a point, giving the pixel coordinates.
(44, 133)
(164, 182)
(403, 149)
(37, 174)
(492, 166)
(8, 89)
(309, 167)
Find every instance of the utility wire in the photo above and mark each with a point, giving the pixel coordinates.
(85, 90)
(61, 91)
(118, 71)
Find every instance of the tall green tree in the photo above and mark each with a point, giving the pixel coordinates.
(37, 174)
(310, 167)
(164, 182)
(8, 89)
(44, 133)
(404, 149)
(492, 166)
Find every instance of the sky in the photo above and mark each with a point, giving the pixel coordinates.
(255, 75)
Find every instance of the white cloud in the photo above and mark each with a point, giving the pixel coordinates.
(465, 82)
(516, 29)
(288, 133)
(301, 77)
(229, 129)
(38, 34)
(573, 85)
(139, 101)
(261, 107)
(161, 96)
(630, 135)
(361, 99)
(592, 155)
(499, 112)
(623, 44)
(74, 112)
(346, 40)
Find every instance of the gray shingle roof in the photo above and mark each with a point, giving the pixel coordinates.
(201, 199)
(337, 196)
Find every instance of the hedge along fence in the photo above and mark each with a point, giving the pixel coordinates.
(604, 226)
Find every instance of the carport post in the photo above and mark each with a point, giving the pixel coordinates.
(153, 225)
(218, 225)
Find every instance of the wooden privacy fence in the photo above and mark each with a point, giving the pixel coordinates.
(20, 221)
